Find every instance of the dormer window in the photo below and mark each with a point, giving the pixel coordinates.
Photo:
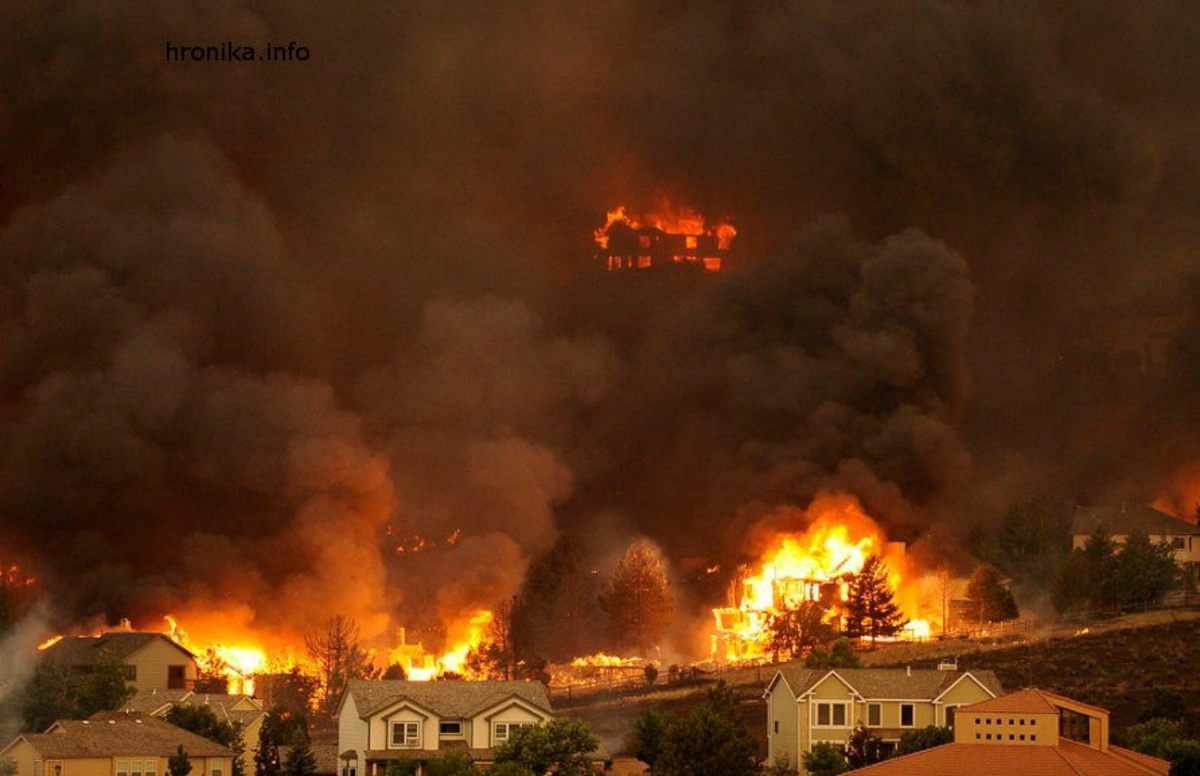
(406, 735)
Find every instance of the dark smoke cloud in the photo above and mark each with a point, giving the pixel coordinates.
(260, 324)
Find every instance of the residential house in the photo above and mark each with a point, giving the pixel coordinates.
(241, 711)
(114, 744)
(1030, 731)
(1120, 522)
(383, 721)
(152, 661)
(808, 706)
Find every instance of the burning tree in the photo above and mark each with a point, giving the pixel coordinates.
(870, 610)
(799, 630)
(637, 598)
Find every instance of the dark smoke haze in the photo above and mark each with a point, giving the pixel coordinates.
(262, 323)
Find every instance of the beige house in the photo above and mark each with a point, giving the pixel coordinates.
(114, 744)
(1119, 522)
(1026, 732)
(152, 661)
(808, 706)
(382, 721)
(241, 711)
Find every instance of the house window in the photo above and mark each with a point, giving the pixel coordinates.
(130, 673)
(505, 729)
(122, 768)
(54, 767)
(406, 734)
(690, 241)
(151, 767)
(135, 768)
(832, 714)
(176, 678)
(216, 769)
(1177, 543)
(908, 714)
(776, 726)
(643, 261)
(39, 768)
(450, 727)
(644, 240)
(874, 714)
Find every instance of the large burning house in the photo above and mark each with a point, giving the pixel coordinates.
(665, 240)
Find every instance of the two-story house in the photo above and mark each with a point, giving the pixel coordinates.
(1119, 522)
(807, 706)
(152, 661)
(1025, 732)
(383, 721)
(242, 711)
(114, 744)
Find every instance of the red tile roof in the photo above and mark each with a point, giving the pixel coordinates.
(1028, 701)
(1067, 759)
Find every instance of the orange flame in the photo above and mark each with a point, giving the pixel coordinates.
(682, 220)
(807, 566)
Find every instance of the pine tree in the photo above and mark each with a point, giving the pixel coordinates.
(870, 610)
(797, 631)
(179, 764)
(992, 600)
(637, 598)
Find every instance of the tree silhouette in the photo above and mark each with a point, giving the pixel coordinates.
(637, 598)
(870, 610)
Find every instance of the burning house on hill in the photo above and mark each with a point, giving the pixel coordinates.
(670, 240)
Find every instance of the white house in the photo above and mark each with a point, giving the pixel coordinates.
(382, 721)
(807, 706)
(1119, 522)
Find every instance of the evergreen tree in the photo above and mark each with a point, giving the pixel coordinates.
(637, 598)
(863, 748)
(179, 764)
(453, 764)
(991, 600)
(870, 610)
(1143, 571)
(649, 732)
(1087, 578)
(711, 741)
(202, 721)
(280, 729)
(300, 761)
(1034, 535)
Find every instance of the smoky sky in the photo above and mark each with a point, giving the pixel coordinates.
(262, 323)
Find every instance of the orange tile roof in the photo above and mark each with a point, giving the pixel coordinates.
(1029, 701)
(1067, 759)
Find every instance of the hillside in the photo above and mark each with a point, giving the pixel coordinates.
(1121, 664)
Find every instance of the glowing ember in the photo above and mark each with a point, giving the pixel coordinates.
(50, 642)
(667, 236)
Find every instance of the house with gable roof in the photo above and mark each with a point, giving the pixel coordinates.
(242, 711)
(1119, 522)
(383, 721)
(807, 706)
(151, 659)
(1025, 732)
(114, 743)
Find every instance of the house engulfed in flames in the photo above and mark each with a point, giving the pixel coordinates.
(665, 239)
(813, 565)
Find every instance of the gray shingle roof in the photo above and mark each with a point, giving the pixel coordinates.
(115, 733)
(888, 683)
(1122, 521)
(84, 650)
(448, 699)
(158, 702)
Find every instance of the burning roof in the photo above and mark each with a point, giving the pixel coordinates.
(665, 238)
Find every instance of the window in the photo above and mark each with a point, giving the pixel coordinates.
(690, 241)
(406, 734)
(832, 714)
(644, 240)
(176, 678)
(215, 769)
(776, 726)
(450, 727)
(1177, 543)
(874, 714)
(135, 768)
(1033, 737)
(1022, 736)
(122, 768)
(130, 673)
(504, 729)
(908, 715)
(39, 768)
(54, 767)
(643, 261)
(151, 767)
